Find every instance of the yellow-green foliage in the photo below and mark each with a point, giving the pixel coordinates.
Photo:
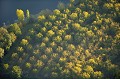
(117, 5)
(72, 1)
(86, 14)
(50, 33)
(6, 66)
(15, 29)
(67, 11)
(88, 69)
(86, 75)
(81, 41)
(28, 65)
(98, 74)
(17, 70)
(39, 35)
(76, 26)
(56, 12)
(74, 16)
(90, 33)
(6, 39)
(52, 17)
(108, 5)
(1, 52)
(28, 14)
(58, 39)
(67, 37)
(20, 49)
(41, 18)
(24, 42)
(39, 63)
(20, 14)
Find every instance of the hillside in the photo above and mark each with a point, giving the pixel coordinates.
(76, 41)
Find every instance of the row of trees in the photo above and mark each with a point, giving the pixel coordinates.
(21, 16)
(77, 42)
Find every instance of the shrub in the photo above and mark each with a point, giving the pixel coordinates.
(86, 14)
(48, 50)
(68, 37)
(39, 35)
(45, 39)
(6, 66)
(48, 24)
(41, 18)
(54, 74)
(28, 65)
(17, 70)
(60, 32)
(57, 12)
(20, 49)
(52, 17)
(71, 47)
(1, 52)
(50, 33)
(76, 26)
(57, 39)
(43, 29)
(108, 5)
(67, 11)
(13, 37)
(59, 49)
(90, 33)
(5, 39)
(24, 42)
(85, 75)
(77, 70)
(74, 16)
(98, 75)
(39, 63)
(88, 69)
(14, 55)
(15, 28)
(35, 70)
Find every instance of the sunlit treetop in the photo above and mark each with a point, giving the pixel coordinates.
(20, 14)
(56, 12)
(41, 18)
(73, 15)
(27, 14)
